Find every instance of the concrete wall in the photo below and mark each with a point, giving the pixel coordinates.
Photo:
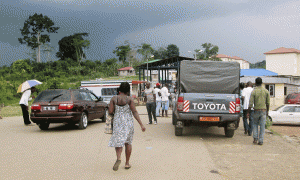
(283, 64)
(126, 73)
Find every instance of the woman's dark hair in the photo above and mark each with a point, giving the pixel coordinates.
(124, 87)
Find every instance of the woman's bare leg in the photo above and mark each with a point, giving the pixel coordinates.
(128, 149)
(119, 152)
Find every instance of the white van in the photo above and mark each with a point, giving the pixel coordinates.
(105, 89)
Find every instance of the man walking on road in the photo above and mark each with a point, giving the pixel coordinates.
(150, 103)
(158, 98)
(246, 98)
(260, 97)
(24, 105)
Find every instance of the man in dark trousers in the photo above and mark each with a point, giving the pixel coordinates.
(24, 105)
(260, 97)
(150, 103)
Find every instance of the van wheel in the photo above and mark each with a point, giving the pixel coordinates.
(105, 115)
(178, 131)
(44, 126)
(83, 121)
(229, 132)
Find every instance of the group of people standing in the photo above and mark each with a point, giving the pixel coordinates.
(256, 103)
(156, 98)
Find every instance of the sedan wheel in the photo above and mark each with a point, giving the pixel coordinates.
(83, 121)
(104, 116)
(44, 126)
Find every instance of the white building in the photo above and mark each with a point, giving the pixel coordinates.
(284, 61)
(243, 63)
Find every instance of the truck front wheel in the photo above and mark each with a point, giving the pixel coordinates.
(178, 131)
(228, 132)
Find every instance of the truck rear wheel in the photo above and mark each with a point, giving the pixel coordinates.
(178, 131)
(229, 132)
(174, 120)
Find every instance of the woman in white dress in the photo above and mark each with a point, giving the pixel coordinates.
(123, 108)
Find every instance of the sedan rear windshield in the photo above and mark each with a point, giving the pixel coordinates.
(53, 95)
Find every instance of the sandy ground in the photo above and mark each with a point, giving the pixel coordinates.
(65, 152)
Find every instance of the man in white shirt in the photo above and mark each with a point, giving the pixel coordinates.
(158, 98)
(150, 103)
(165, 100)
(246, 94)
(24, 105)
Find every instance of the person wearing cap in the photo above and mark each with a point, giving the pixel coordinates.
(260, 98)
(158, 99)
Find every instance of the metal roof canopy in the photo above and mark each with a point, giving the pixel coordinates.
(161, 65)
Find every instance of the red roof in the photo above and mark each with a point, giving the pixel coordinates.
(283, 50)
(237, 58)
(125, 69)
(222, 56)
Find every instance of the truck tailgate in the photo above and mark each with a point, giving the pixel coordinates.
(209, 103)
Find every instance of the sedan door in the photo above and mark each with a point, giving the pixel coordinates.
(89, 105)
(287, 115)
(297, 115)
(99, 106)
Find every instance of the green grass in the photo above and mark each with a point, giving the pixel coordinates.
(12, 110)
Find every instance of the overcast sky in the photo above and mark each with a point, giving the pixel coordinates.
(243, 28)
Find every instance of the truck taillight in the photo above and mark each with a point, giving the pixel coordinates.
(237, 105)
(180, 103)
(35, 107)
(64, 107)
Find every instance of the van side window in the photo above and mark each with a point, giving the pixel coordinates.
(109, 91)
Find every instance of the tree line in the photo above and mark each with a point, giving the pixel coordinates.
(72, 66)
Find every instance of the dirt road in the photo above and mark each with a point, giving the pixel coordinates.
(65, 152)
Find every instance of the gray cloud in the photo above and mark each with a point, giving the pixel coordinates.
(239, 27)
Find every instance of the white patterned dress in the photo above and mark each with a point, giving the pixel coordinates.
(123, 128)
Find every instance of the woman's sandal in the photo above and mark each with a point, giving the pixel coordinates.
(128, 167)
(117, 164)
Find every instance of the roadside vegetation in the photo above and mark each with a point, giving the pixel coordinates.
(72, 67)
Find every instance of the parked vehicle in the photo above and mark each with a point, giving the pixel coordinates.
(286, 114)
(67, 106)
(293, 98)
(104, 89)
(207, 94)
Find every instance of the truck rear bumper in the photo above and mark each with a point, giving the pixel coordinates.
(195, 117)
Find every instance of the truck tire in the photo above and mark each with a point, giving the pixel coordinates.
(178, 131)
(229, 132)
(174, 119)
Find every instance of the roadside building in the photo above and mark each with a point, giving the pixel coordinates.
(126, 71)
(243, 63)
(284, 61)
(278, 86)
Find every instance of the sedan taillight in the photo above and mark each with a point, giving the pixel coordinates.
(65, 107)
(35, 107)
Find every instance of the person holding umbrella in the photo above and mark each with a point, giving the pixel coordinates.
(27, 88)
